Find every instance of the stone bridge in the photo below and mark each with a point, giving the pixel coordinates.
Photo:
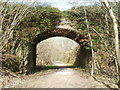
(83, 54)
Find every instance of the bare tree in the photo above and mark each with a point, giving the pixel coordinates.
(75, 3)
(11, 14)
(16, 13)
(115, 27)
(90, 38)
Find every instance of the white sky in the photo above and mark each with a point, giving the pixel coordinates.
(64, 5)
(61, 4)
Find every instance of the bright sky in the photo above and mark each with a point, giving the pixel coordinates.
(62, 4)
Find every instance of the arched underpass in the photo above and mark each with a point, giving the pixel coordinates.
(60, 78)
(83, 55)
(56, 52)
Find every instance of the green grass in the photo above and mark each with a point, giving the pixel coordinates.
(56, 67)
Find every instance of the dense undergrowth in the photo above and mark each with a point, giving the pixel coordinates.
(38, 20)
(102, 34)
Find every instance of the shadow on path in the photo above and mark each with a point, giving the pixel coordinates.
(39, 68)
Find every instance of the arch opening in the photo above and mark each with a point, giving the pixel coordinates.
(57, 51)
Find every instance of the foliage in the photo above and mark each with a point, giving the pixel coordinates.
(102, 34)
(39, 19)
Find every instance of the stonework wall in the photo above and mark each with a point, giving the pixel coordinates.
(83, 57)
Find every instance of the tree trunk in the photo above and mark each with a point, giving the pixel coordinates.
(115, 26)
(90, 38)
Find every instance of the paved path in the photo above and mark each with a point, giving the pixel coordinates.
(54, 78)
(61, 78)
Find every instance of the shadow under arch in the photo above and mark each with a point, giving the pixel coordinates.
(83, 55)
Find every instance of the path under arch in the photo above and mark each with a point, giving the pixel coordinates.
(58, 78)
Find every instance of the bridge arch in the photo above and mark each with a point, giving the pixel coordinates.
(83, 53)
